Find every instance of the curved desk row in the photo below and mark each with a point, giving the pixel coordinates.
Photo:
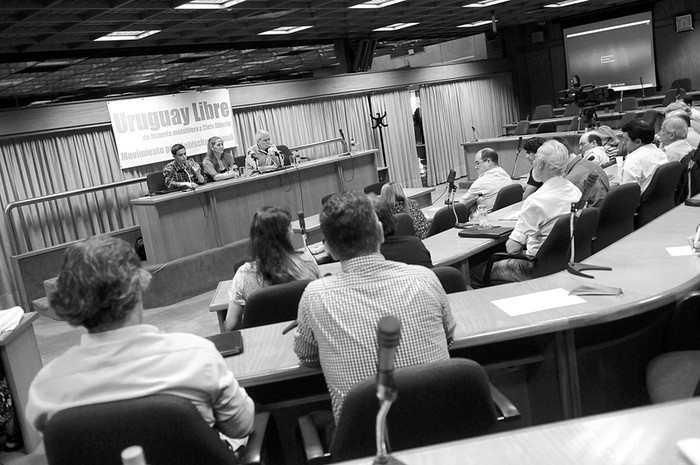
(563, 122)
(649, 276)
(218, 213)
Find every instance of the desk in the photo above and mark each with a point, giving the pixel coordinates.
(646, 435)
(563, 123)
(219, 213)
(641, 266)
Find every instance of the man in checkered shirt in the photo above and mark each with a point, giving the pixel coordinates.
(338, 314)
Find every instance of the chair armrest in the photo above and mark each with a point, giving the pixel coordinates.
(253, 449)
(507, 411)
(497, 257)
(311, 441)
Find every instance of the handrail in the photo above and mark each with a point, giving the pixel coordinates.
(14, 249)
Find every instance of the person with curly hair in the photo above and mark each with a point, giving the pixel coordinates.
(274, 261)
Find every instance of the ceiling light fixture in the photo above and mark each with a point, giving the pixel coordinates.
(208, 4)
(477, 23)
(394, 27)
(377, 3)
(284, 30)
(484, 3)
(564, 3)
(127, 35)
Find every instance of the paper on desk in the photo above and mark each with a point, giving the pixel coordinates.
(512, 216)
(537, 301)
(680, 251)
(10, 318)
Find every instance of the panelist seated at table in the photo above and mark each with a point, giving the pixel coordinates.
(218, 164)
(274, 261)
(100, 287)
(492, 178)
(264, 154)
(399, 203)
(538, 213)
(404, 249)
(338, 314)
(182, 172)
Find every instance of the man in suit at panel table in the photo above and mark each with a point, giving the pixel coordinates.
(673, 137)
(643, 157)
(491, 178)
(338, 314)
(539, 212)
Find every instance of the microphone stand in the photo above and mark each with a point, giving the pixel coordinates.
(578, 268)
(515, 163)
(383, 457)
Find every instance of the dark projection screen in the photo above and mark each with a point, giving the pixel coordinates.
(616, 52)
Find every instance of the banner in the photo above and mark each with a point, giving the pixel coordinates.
(146, 128)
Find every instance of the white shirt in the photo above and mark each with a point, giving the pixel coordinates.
(677, 149)
(596, 154)
(693, 137)
(488, 184)
(640, 165)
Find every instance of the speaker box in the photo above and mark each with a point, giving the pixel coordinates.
(364, 55)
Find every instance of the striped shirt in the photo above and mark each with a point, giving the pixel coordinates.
(338, 318)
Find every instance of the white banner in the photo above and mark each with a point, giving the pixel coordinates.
(146, 128)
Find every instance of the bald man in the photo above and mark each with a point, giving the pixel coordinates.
(673, 135)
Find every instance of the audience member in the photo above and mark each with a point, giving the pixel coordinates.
(643, 157)
(218, 164)
(531, 146)
(274, 261)
(181, 172)
(694, 112)
(338, 314)
(577, 170)
(673, 137)
(491, 178)
(394, 195)
(405, 249)
(610, 141)
(539, 211)
(263, 154)
(591, 146)
(683, 111)
(100, 287)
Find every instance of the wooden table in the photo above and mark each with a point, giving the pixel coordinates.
(563, 122)
(646, 435)
(218, 213)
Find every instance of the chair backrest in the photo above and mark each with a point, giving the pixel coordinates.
(683, 331)
(616, 215)
(542, 112)
(375, 188)
(436, 402)
(553, 254)
(584, 230)
(626, 118)
(670, 97)
(451, 279)
(659, 196)
(572, 109)
(287, 155)
(573, 126)
(507, 196)
(548, 126)
(273, 304)
(239, 161)
(684, 83)
(155, 182)
(650, 116)
(522, 128)
(693, 174)
(404, 225)
(444, 218)
(169, 428)
(627, 104)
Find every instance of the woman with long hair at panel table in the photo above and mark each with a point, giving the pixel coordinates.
(393, 193)
(218, 164)
(274, 261)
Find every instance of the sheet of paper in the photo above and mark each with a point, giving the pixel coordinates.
(680, 251)
(512, 216)
(537, 301)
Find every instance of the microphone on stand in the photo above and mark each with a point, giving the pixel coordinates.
(475, 133)
(388, 336)
(345, 142)
(642, 85)
(451, 188)
(517, 154)
(302, 225)
(255, 159)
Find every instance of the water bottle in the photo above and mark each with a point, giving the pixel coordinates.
(133, 456)
(482, 211)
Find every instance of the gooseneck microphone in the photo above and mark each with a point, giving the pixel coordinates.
(517, 154)
(388, 336)
(586, 190)
(302, 222)
(451, 187)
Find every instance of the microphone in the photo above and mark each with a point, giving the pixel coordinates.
(642, 86)
(451, 188)
(388, 336)
(587, 189)
(342, 136)
(476, 138)
(302, 222)
(520, 143)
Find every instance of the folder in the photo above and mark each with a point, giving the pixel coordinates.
(229, 343)
(495, 232)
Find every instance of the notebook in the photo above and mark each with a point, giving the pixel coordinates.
(495, 232)
(230, 343)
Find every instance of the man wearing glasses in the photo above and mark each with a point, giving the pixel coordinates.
(491, 178)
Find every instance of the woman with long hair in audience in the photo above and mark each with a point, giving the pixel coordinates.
(274, 261)
(393, 193)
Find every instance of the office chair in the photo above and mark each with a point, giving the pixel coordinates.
(507, 196)
(451, 279)
(693, 174)
(573, 126)
(169, 428)
(659, 196)
(436, 402)
(273, 304)
(548, 126)
(542, 112)
(404, 225)
(626, 118)
(444, 218)
(571, 109)
(155, 182)
(552, 256)
(375, 188)
(522, 128)
(684, 83)
(287, 155)
(675, 374)
(239, 161)
(584, 230)
(671, 96)
(616, 215)
(650, 116)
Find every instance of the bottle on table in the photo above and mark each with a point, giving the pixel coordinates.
(482, 211)
(133, 455)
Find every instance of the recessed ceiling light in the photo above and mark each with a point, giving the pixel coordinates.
(284, 30)
(394, 27)
(127, 35)
(377, 3)
(208, 4)
(564, 3)
(477, 23)
(485, 3)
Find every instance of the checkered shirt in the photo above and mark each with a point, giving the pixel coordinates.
(174, 173)
(338, 318)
